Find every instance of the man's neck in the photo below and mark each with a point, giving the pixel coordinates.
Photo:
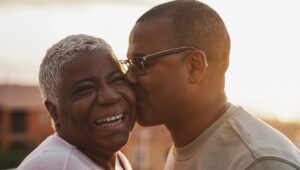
(187, 128)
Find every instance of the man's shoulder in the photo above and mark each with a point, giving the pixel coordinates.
(240, 140)
(261, 141)
(270, 163)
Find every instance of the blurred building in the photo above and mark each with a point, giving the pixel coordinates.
(289, 129)
(24, 122)
(148, 147)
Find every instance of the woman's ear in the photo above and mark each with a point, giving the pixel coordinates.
(52, 109)
(198, 65)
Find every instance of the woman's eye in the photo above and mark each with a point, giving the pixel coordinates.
(119, 79)
(84, 90)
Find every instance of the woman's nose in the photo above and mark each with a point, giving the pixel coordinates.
(108, 95)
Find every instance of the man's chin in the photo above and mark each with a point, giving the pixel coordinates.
(147, 123)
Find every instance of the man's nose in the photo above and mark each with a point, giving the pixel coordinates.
(108, 95)
(131, 77)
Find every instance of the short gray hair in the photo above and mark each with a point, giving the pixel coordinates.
(61, 54)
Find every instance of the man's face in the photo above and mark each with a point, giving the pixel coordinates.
(96, 105)
(161, 90)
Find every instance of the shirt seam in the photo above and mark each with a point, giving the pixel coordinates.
(68, 158)
(255, 157)
(274, 159)
(242, 139)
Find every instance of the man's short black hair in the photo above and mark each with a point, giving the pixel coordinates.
(198, 25)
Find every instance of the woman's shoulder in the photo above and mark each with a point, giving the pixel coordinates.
(124, 161)
(52, 153)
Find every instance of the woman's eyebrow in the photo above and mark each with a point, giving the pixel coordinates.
(87, 79)
(90, 79)
(114, 72)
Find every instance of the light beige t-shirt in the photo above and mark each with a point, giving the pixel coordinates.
(237, 141)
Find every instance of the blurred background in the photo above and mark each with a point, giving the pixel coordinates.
(263, 76)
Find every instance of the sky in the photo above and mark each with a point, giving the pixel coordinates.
(264, 62)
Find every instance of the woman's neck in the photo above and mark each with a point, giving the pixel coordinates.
(106, 161)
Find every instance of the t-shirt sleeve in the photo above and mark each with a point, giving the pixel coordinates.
(39, 162)
(56, 161)
(273, 164)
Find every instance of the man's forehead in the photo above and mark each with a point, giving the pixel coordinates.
(151, 35)
(152, 24)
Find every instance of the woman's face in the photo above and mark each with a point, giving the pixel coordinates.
(96, 105)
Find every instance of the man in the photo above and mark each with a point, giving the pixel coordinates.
(177, 58)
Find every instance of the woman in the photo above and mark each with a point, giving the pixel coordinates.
(91, 106)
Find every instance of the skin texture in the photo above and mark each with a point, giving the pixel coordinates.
(93, 87)
(178, 90)
(156, 87)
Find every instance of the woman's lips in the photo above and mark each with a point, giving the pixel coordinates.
(110, 120)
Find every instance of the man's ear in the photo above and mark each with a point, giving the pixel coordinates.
(52, 109)
(197, 65)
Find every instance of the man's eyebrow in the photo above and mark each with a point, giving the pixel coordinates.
(138, 55)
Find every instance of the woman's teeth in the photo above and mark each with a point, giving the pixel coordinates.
(110, 121)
